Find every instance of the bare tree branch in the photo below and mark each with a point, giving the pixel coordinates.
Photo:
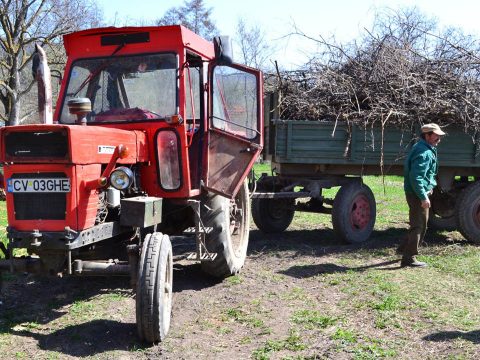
(403, 70)
(24, 23)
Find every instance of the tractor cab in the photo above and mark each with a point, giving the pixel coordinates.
(201, 112)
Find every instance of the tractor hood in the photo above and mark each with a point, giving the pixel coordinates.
(70, 144)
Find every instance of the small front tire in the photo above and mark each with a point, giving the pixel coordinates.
(154, 288)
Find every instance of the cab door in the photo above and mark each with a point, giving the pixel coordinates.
(235, 126)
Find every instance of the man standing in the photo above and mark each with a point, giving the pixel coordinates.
(420, 170)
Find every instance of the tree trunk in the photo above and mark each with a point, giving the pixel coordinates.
(14, 115)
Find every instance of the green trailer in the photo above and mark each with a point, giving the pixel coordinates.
(308, 156)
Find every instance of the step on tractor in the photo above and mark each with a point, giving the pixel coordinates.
(153, 135)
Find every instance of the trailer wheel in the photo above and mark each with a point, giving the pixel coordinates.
(354, 212)
(229, 221)
(468, 212)
(439, 223)
(154, 288)
(273, 215)
(442, 213)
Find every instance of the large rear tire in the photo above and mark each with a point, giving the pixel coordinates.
(229, 221)
(154, 288)
(468, 212)
(273, 215)
(354, 212)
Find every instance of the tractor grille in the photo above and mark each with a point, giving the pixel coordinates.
(38, 144)
(36, 206)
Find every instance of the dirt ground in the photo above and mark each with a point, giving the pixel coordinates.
(257, 314)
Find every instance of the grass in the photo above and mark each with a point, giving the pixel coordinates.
(379, 311)
(292, 343)
(311, 319)
(241, 316)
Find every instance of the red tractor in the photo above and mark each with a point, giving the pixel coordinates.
(151, 141)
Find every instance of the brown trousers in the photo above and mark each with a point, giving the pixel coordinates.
(418, 219)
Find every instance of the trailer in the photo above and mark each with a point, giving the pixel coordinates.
(309, 156)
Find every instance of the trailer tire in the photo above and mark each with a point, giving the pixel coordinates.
(273, 215)
(468, 212)
(436, 222)
(229, 223)
(154, 288)
(354, 212)
(442, 212)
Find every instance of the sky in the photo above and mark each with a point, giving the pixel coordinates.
(344, 19)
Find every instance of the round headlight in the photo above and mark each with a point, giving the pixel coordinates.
(121, 178)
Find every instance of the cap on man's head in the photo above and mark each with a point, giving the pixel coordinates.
(434, 128)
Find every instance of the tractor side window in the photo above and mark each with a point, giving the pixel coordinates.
(235, 106)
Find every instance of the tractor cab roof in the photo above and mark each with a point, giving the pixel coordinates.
(110, 41)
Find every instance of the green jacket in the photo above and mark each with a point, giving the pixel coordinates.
(420, 170)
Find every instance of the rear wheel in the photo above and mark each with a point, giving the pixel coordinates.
(354, 212)
(229, 221)
(468, 212)
(154, 288)
(273, 215)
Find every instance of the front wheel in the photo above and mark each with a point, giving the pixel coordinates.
(354, 212)
(154, 288)
(229, 220)
(468, 212)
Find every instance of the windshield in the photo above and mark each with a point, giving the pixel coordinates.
(129, 88)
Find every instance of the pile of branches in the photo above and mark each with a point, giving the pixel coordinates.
(402, 72)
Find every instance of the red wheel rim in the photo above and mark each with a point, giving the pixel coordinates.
(361, 213)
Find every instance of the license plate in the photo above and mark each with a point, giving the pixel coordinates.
(47, 185)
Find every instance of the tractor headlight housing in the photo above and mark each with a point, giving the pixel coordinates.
(121, 178)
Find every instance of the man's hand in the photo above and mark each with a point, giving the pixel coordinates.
(426, 203)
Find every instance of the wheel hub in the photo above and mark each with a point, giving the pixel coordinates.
(361, 214)
(236, 214)
(278, 209)
(237, 222)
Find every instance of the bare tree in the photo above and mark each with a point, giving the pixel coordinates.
(24, 23)
(404, 71)
(254, 46)
(193, 15)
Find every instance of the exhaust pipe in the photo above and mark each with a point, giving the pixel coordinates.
(41, 73)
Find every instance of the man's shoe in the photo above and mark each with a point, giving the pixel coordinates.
(413, 263)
